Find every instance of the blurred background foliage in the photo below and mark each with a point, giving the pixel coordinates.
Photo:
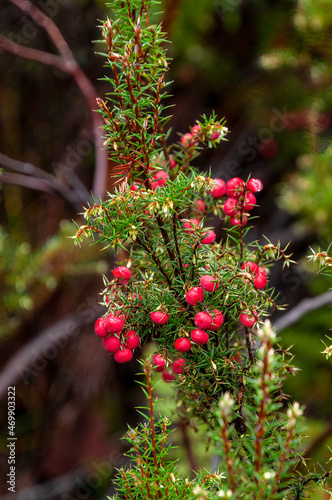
(263, 64)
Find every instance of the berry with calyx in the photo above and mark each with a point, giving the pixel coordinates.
(217, 319)
(187, 140)
(219, 188)
(182, 344)
(178, 366)
(132, 339)
(209, 237)
(123, 356)
(255, 185)
(199, 336)
(191, 225)
(209, 283)
(260, 280)
(195, 295)
(167, 376)
(111, 343)
(159, 362)
(114, 324)
(250, 267)
(100, 327)
(159, 317)
(239, 219)
(122, 273)
(249, 201)
(231, 206)
(159, 179)
(248, 319)
(203, 320)
(234, 187)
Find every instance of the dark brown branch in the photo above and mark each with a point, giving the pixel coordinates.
(69, 65)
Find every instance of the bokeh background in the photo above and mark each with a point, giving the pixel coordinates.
(265, 65)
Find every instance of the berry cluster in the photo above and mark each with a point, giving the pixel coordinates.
(241, 198)
(168, 368)
(116, 339)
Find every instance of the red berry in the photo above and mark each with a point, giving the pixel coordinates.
(111, 343)
(209, 283)
(114, 324)
(268, 149)
(187, 140)
(178, 366)
(249, 201)
(231, 206)
(122, 273)
(167, 376)
(135, 296)
(250, 267)
(219, 188)
(182, 344)
(159, 317)
(217, 320)
(195, 295)
(234, 187)
(123, 356)
(100, 328)
(199, 336)
(214, 135)
(199, 207)
(260, 280)
(209, 237)
(203, 320)
(248, 319)
(134, 187)
(159, 361)
(239, 220)
(255, 185)
(191, 225)
(131, 339)
(160, 179)
(196, 130)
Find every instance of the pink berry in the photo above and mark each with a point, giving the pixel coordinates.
(191, 225)
(231, 206)
(182, 344)
(187, 140)
(255, 185)
(131, 339)
(134, 187)
(196, 130)
(122, 273)
(111, 343)
(100, 328)
(249, 201)
(209, 237)
(203, 320)
(250, 267)
(178, 366)
(199, 207)
(214, 135)
(195, 295)
(167, 376)
(135, 297)
(248, 319)
(160, 179)
(239, 220)
(159, 361)
(209, 283)
(199, 336)
(217, 320)
(234, 187)
(114, 324)
(159, 317)
(260, 280)
(218, 189)
(123, 356)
